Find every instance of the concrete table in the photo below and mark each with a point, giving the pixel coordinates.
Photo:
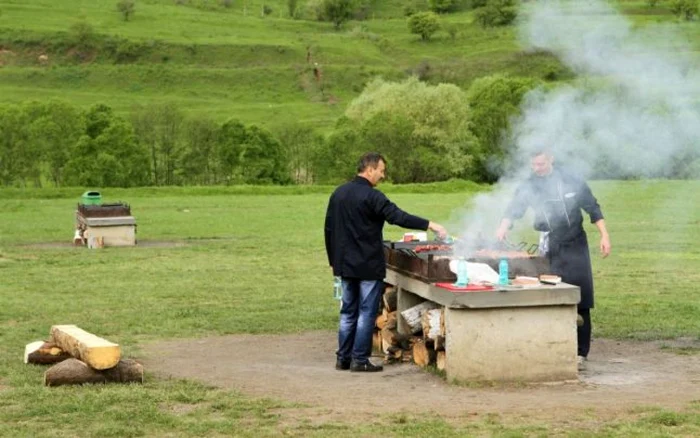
(509, 334)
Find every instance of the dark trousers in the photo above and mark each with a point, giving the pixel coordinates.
(584, 333)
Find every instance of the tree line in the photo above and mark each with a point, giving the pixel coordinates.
(427, 132)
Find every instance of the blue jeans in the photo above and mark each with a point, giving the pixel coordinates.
(357, 319)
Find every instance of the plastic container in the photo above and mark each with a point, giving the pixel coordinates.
(503, 272)
(91, 198)
(462, 277)
(337, 288)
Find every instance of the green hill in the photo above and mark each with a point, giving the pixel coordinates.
(216, 61)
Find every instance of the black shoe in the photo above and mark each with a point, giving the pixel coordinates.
(368, 367)
(342, 365)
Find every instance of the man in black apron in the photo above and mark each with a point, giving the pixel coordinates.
(558, 198)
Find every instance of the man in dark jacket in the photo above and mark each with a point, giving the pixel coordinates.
(557, 199)
(353, 232)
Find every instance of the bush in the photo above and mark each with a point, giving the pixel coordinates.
(292, 8)
(687, 9)
(126, 8)
(442, 5)
(497, 13)
(424, 24)
(337, 11)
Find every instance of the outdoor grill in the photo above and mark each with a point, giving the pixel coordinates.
(429, 261)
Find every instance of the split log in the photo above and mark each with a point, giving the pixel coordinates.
(44, 353)
(441, 360)
(412, 316)
(390, 320)
(381, 321)
(442, 322)
(439, 343)
(390, 299)
(75, 372)
(430, 322)
(99, 353)
(377, 343)
(393, 337)
(421, 354)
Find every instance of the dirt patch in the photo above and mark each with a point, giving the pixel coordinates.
(619, 376)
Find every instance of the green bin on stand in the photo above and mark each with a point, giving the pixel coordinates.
(92, 198)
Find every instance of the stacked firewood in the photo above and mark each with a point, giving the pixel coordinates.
(80, 357)
(426, 322)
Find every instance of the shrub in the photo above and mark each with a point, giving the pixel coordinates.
(292, 8)
(424, 24)
(337, 11)
(126, 8)
(497, 13)
(687, 9)
(442, 5)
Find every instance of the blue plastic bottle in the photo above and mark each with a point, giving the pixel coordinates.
(462, 277)
(337, 288)
(503, 272)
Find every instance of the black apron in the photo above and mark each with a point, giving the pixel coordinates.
(571, 261)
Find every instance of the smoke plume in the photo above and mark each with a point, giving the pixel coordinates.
(630, 113)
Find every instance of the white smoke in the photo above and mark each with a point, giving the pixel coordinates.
(630, 114)
(633, 109)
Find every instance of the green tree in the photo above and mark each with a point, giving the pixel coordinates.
(198, 163)
(497, 13)
(424, 24)
(299, 144)
(55, 129)
(229, 150)
(126, 8)
(17, 155)
(494, 101)
(443, 5)
(159, 128)
(263, 158)
(109, 156)
(338, 11)
(687, 9)
(422, 129)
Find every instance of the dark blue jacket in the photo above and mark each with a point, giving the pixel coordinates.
(353, 229)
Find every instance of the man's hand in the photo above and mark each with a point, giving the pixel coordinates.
(605, 245)
(438, 229)
(502, 231)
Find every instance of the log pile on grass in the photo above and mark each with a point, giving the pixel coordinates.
(80, 357)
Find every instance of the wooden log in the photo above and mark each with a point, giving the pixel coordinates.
(390, 320)
(442, 322)
(381, 321)
(99, 353)
(430, 322)
(441, 360)
(439, 343)
(412, 316)
(421, 355)
(44, 353)
(390, 299)
(377, 343)
(76, 372)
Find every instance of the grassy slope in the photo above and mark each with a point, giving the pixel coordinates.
(245, 253)
(223, 64)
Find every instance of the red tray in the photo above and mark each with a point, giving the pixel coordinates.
(468, 288)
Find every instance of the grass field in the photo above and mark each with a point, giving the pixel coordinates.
(246, 252)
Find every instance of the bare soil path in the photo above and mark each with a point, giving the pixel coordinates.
(619, 376)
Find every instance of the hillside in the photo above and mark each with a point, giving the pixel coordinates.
(218, 62)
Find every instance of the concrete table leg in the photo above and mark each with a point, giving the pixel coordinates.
(511, 344)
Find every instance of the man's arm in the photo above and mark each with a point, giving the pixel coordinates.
(395, 216)
(605, 246)
(328, 232)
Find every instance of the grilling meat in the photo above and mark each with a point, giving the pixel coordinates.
(428, 248)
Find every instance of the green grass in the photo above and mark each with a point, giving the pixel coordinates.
(248, 247)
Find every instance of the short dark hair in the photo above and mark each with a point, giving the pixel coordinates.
(370, 159)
